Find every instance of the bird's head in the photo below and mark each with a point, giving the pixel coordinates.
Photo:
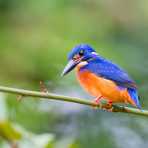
(80, 53)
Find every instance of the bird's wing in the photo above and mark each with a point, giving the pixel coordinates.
(108, 70)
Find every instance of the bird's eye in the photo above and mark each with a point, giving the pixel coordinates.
(81, 53)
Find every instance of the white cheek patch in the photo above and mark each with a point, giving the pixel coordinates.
(81, 64)
(94, 53)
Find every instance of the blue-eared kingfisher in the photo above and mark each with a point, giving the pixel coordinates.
(100, 77)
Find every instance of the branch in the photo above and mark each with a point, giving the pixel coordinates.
(36, 94)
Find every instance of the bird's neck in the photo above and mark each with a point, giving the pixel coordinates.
(80, 65)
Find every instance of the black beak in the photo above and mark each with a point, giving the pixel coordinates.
(69, 67)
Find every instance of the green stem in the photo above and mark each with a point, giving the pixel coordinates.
(36, 94)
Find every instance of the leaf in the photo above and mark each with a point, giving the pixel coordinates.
(8, 132)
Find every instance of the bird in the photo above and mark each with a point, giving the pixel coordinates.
(101, 78)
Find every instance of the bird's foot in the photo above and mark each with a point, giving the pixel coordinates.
(96, 102)
(107, 106)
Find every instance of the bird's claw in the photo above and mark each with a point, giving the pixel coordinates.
(108, 109)
(96, 102)
(104, 106)
(108, 106)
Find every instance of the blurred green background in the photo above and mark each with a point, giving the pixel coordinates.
(35, 37)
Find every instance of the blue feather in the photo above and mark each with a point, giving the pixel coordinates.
(134, 95)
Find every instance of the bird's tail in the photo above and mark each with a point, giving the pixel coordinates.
(134, 96)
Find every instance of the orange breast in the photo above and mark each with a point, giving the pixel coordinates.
(97, 86)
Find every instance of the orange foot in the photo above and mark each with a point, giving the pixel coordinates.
(107, 107)
(96, 102)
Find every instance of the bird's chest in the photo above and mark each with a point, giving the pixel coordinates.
(95, 85)
(89, 82)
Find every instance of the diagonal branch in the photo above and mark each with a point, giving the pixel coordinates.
(36, 94)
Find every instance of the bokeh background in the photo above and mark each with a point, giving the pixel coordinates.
(35, 37)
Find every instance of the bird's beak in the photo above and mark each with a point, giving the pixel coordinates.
(69, 67)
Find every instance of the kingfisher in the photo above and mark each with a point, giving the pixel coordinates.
(101, 78)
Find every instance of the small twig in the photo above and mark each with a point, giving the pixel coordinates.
(36, 94)
(43, 87)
